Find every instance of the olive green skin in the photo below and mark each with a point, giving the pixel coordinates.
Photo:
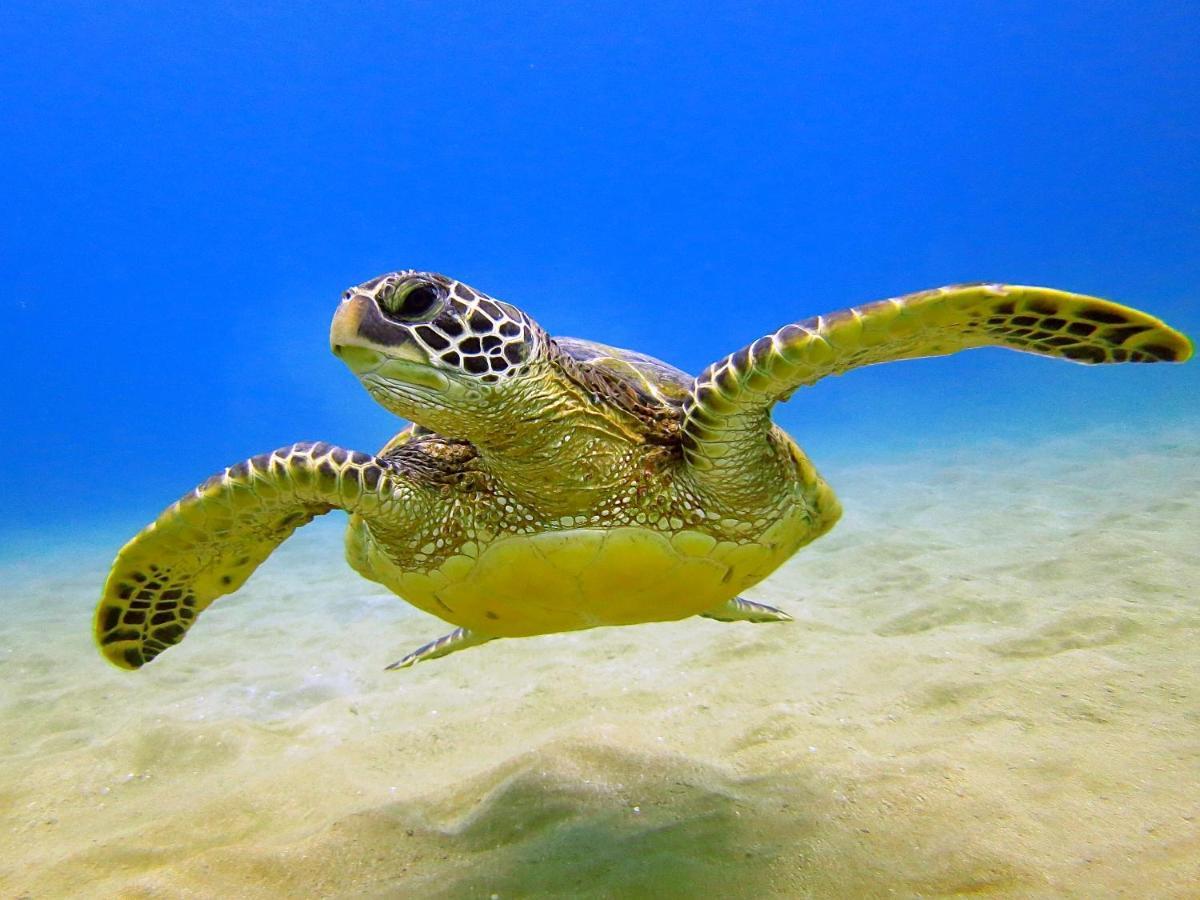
(657, 547)
(552, 484)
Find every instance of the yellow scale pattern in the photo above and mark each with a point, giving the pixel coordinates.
(733, 395)
(676, 528)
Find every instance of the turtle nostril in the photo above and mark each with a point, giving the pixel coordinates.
(337, 349)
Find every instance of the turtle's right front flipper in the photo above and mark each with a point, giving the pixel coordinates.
(206, 544)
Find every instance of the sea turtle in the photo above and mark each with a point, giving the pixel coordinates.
(552, 484)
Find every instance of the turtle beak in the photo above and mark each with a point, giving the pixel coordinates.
(345, 339)
(369, 344)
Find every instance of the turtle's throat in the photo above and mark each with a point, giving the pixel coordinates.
(554, 451)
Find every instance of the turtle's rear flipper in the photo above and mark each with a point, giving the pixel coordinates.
(741, 610)
(458, 639)
(207, 544)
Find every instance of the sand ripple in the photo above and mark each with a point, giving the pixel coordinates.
(992, 687)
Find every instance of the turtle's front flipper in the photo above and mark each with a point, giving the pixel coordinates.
(207, 543)
(458, 639)
(740, 609)
(727, 414)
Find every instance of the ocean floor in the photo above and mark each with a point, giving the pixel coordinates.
(992, 686)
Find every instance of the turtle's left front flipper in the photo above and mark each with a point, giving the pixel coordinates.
(727, 415)
(207, 543)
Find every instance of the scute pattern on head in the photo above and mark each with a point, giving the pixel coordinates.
(470, 331)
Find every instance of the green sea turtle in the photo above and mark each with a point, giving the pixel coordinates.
(553, 484)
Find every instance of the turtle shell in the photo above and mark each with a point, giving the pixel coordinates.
(646, 375)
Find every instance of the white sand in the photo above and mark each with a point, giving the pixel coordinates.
(992, 686)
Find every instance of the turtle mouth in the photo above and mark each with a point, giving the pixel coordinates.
(371, 347)
(367, 362)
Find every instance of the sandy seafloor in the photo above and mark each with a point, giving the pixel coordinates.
(992, 686)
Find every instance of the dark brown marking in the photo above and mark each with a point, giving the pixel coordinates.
(226, 579)
(378, 330)
(510, 329)
(491, 309)
(1085, 354)
(1159, 351)
(371, 476)
(449, 325)
(760, 350)
(1121, 335)
(135, 616)
(476, 365)
(491, 342)
(1006, 308)
(338, 455)
(173, 594)
(704, 394)
(470, 345)
(1083, 329)
(112, 618)
(1044, 307)
(1024, 320)
(1053, 324)
(125, 634)
(162, 618)
(1103, 316)
(169, 633)
(490, 614)
(451, 359)
(432, 338)
(133, 656)
(479, 323)
(124, 591)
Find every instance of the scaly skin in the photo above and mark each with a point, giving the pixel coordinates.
(549, 491)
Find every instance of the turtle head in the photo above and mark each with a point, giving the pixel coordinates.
(435, 351)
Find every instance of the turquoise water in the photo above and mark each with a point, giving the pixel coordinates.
(990, 686)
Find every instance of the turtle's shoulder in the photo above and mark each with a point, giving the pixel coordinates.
(428, 457)
(655, 382)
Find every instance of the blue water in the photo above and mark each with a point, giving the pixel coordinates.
(185, 190)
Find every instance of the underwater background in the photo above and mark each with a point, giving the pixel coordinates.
(992, 685)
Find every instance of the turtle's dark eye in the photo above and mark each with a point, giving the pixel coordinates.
(413, 303)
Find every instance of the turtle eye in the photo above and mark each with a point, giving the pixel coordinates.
(412, 302)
